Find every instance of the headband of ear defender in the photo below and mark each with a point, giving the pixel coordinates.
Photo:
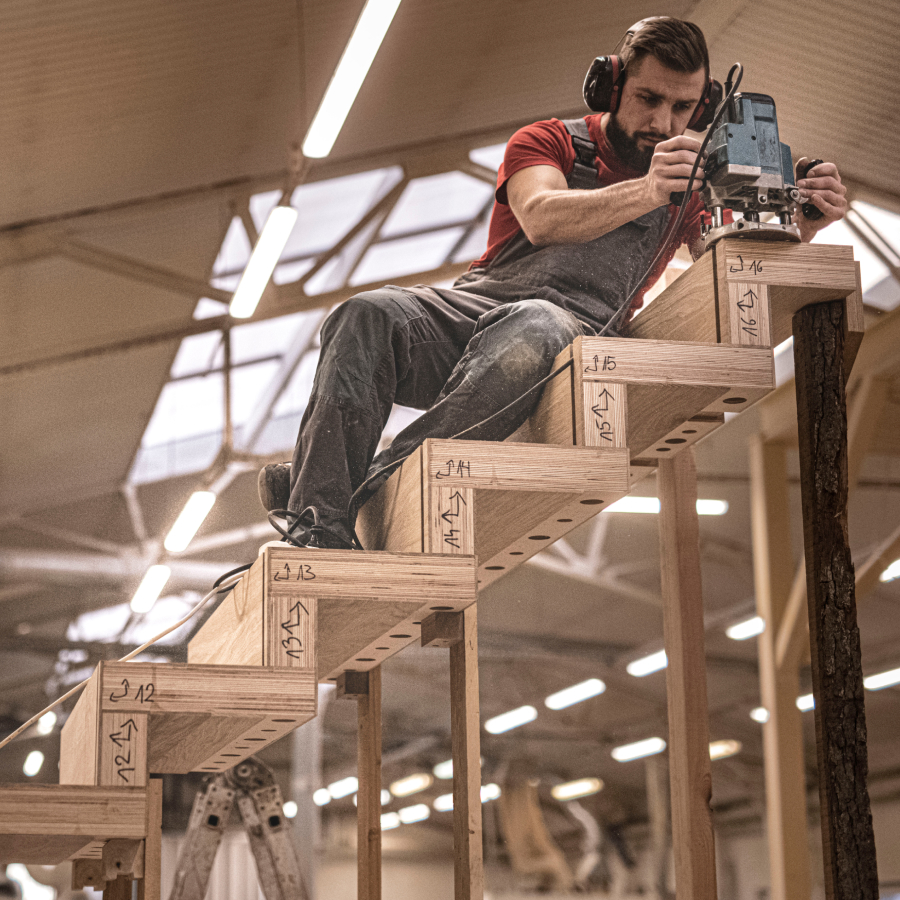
(606, 77)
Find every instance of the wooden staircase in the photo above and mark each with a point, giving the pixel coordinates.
(454, 518)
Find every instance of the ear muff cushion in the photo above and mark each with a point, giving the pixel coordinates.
(602, 84)
(706, 108)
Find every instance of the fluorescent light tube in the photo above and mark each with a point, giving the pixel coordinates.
(648, 664)
(390, 820)
(723, 749)
(651, 505)
(351, 71)
(760, 714)
(639, 749)
(444, 803)
(635, 505)
(891, 572)
(33, 763)
(46, 722)
(322, 797)
(412, 784)
(191, 518)
(512, 719)
(443, 770)
(418, 813)
(575, 694)
(150, 588)
(881, 680)
(806, 703)
(262, 261)
(742, 631)
(343, 788)
(712, 507)
(571, 790)
(289, 809)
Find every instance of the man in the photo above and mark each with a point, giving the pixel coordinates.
(560, 262)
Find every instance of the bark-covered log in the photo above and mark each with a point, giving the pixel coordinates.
(848, 839)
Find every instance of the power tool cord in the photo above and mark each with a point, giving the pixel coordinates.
(675, 224)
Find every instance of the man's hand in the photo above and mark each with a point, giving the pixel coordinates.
(671, 167)
(823, 189)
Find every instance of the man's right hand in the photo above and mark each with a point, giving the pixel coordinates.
(670, 169)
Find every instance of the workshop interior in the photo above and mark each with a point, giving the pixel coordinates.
(190, 189)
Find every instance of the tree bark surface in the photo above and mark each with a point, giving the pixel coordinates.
(847, 835)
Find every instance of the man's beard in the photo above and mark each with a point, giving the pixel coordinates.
(627, 147)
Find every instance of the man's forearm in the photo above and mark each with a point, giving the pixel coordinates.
(575, 216)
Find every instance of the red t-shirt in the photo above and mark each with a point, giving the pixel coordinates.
(548, 143)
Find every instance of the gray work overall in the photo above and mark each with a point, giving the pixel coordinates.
(462, 353)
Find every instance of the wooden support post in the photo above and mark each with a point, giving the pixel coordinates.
(150, 886)
(466, 740)
(368, 850)
(689, 764)
(848, 841)
(773, 566)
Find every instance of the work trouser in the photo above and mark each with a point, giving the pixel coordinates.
(392, 345)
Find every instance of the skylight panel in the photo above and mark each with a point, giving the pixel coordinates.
(436, 201)
(286, 273)
(235, 249)
(327, 209)
(405, 256)
(295, 396)
(208, 309)
(196, 354)
(186, 408)
(269, 337)
(885, 222)
(871, 269)
(489, 156)
(474, 245)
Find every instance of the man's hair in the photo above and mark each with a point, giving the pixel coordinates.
(676, 44)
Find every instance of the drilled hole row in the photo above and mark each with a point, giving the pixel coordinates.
(543, 537)
(397, 636)
(223, 761)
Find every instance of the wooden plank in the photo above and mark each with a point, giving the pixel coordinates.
(392, 519)
(290, 635)
(785, 775)
(677, 362)
(605, 412)
(468, 867)
(684, 311)
(660, 417)
(150, 886)
(522, 467)
(689, 763)
(368, 814)
(369, 575)
(552, 421)
(443, 629)
(194, 742)
(349, 628)
(229, 691)
(233, 633)
(450, 522)
(747, 322)
(504, 518)
(848, 842)
(46, 824)
(79, 749)
(123, 749)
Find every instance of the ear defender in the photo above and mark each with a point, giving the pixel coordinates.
(603, 84)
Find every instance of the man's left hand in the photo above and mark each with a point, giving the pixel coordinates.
(822, 188)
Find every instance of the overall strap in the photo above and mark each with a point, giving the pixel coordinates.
(584, 173)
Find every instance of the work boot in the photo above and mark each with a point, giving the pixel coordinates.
(274, 486)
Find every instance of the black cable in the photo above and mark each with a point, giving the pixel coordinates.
(676, 223)
(234, 571)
